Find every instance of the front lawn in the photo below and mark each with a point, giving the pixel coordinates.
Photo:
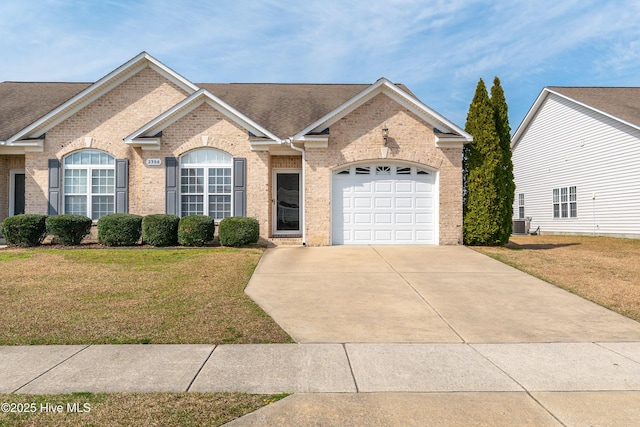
(604, 270)
(131, 295)
(129, 409)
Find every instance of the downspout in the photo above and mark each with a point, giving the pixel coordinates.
(303, 215)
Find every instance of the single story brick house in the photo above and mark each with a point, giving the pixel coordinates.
(318, 163)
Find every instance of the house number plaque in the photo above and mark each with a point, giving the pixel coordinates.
(153, 162)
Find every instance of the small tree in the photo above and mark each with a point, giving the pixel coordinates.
(481, 162)
(505, 184)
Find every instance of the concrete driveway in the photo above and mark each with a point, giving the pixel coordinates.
(421, 294)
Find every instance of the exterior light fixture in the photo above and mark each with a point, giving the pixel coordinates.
(385, 134)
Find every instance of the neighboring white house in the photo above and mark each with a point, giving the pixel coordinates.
(576, 160)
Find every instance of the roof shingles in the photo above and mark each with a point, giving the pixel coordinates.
(283, 109)
(23, 103)
(620, 102)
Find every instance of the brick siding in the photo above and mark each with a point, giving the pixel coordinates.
(358, 137)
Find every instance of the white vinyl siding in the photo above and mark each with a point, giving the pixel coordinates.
(570, 146)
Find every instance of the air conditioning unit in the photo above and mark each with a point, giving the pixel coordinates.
(521, 226)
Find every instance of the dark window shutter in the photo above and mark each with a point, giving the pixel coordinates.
(54, 187)
(239, 187)
(171, 185)
(122, 185)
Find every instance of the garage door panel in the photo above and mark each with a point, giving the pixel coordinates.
(383, 236)
(362, 218)
(383, 187)
(383, 218)
(362, 236)
(383, 208)
(424, 218)
(424, 236)
(404, 202)
(383, 202)
(362, 202)
(423, 187)
(404, 218)
(362, 187)
(423, 202)
(404, 187)
(403, 236)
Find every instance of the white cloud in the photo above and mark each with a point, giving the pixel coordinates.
(439, 48)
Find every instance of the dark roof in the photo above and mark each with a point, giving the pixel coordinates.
(620, 102)
(284, 109)
(23, 103)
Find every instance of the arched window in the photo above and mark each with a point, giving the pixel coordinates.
(89, 184)
(205, 183)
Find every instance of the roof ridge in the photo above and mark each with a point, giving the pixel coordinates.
(289, 84)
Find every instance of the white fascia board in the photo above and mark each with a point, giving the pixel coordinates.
(385, 86)
(446, 142)
(99, 88)
(30, 145)
(189, 104)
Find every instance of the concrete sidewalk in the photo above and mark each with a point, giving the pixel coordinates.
(322, 368)
(498, 384)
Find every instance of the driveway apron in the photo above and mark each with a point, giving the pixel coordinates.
(421, 294)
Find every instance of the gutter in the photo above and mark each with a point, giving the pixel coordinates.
(303, 224)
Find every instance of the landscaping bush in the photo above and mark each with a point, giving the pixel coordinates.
(238, 231)
(195, 230)
(119, 229)
(160, 230)
(70, 229)
(24, 230)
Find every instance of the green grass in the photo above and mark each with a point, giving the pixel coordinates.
(138, 295)
(132, 409)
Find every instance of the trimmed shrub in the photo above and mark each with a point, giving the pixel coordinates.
(25, 229)
(195, 230)
(239, 231)
(160, 230)
(70, 229)
(119, 229)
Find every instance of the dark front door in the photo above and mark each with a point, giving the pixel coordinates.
(18, 194)
(288, 202)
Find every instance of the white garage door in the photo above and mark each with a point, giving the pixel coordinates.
(383, 204)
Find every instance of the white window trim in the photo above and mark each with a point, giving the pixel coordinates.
(12, 189)
(521, 205)
(206, 194)
(567, 202)
(89, 194)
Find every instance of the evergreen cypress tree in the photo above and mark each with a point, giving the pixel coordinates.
(504, 184)
(482, 160)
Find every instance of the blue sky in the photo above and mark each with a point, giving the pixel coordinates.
(438, 48)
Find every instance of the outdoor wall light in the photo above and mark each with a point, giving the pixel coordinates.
(385, 134)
